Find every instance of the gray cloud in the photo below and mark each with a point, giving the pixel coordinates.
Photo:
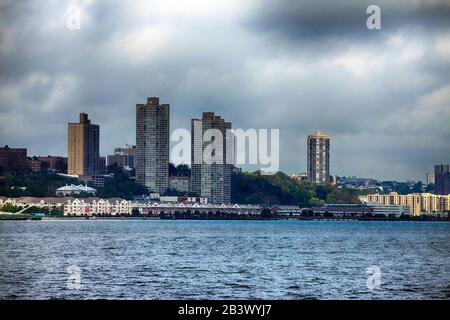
(345, 20)
(297, 65)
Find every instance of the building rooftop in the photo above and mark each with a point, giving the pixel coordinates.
(74, 188)
(319, 133)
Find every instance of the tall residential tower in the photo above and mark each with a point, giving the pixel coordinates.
(442, 179)
(83, 147)
(152, 145)
(211, 178)
(319, 157)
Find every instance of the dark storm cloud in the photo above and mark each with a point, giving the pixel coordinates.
(320, 20)
(298, 66)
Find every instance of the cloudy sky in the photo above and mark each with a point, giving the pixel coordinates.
(382, 95)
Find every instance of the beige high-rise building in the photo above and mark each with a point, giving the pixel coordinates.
(83, 147)
(318, 157)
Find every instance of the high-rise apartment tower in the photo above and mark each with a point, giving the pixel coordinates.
(83, 147)
(319, 157)
(211, 178)
(152, 144)
(442, 179)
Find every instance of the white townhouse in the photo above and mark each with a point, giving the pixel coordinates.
(97, 206)
(45, 203)
(117, 206)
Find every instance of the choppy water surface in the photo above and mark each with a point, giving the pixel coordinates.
(223, 259)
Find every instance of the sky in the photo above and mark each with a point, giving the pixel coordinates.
(382, 95)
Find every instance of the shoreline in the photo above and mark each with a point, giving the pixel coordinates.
(205, 219)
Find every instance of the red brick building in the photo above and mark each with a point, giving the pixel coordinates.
(13, 159)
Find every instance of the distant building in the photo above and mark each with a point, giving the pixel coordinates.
(34, 164)
(299, 177)
(13, 159)
(429, 178)
(189, 200)
(442, 179)
(211, 179)
(236, 170)
(356, 183)
(54, 163)
(123, 157)
(48, 203)
(417, 202)
(39, 164)
(287, 210)
(179, 183)
(93, 206)
(74, 190)
(98, 181)
(343, 209)
(102, 165)
(83, 147)
(152, 145)
(319, 157)
(186, 200)
(339, 210)
(389, 210)
(333, 180)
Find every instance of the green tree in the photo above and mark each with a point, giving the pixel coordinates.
(254, 188)
(120, 185)
(7, 207)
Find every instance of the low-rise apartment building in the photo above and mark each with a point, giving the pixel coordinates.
(417, 202)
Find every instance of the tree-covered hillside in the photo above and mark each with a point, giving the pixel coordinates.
(120, 185)
(247, 188)
(280, 189)
(39, 185)
(45, 185)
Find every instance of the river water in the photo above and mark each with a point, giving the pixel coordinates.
(158, 259)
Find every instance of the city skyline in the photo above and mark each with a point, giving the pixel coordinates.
(325, 166)
(228, 158)
(303, 68)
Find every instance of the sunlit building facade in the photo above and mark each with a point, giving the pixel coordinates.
(83, 147)
(417, 202)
